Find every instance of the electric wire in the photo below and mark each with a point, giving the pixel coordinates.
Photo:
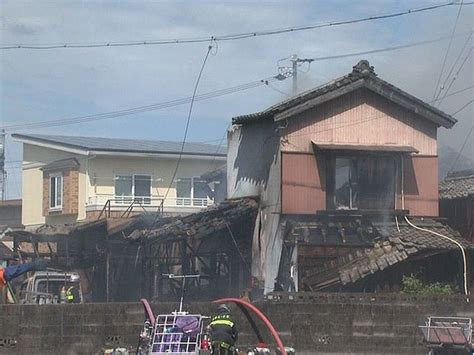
(270, 86)
(447, 51)
(135, 110)
(219, 146)
(188, 120)
(461, 150)
(173, 103)
(381, 50)
(453, 79)
(231, 37)
(453, 66)
(463, 107)
(454, 93)
(237, 246)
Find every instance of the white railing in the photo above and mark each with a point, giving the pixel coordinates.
(99, 200)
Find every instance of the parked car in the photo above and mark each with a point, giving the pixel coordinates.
(49, 287)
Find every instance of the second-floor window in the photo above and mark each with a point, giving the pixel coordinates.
(130, 188)
(362, 182)
(191, 192)
(56, 192)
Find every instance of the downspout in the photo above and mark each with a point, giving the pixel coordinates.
(463, 252)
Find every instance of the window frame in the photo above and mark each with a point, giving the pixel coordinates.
(351, 156)
(130, 199)
(55, 176)
(142, 197)
(204, 202)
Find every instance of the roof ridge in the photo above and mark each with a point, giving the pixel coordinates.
(45, 136)
(458, 177)
(361, 76)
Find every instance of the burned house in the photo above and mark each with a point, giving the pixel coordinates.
(77, 247)
(214, 243)
(341, 172)
(333, 189)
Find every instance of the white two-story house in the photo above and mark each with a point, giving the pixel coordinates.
(68, 179)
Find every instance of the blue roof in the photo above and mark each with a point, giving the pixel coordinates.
(126, 145)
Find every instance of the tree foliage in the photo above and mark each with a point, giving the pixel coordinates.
(414, 285)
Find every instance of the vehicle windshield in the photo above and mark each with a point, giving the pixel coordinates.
(53, 287)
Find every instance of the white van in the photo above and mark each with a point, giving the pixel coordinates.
(44, 287)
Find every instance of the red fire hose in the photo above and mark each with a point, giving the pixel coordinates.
(260, 315)
(148, 311)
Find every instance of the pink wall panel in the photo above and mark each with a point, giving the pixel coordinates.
(361, 117)
(421, 185)
(303, 188)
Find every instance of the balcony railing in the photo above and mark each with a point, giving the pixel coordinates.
(146, 202)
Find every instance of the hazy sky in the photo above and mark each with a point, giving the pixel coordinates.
(61, 83)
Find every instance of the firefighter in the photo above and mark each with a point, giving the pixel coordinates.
(70, 295)
(223, 332)
(62, 295)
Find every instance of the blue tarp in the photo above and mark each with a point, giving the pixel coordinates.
(13, 271)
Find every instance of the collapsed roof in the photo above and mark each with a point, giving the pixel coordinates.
(46, 231)
(208, 221)
(362, 76)
(382, 244)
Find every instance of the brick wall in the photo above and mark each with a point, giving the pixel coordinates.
(70, 203)
(312, 323)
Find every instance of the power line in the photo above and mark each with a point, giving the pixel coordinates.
(229, 37)
(376, 117)
(447, 51)
(453, 93)
(463, 107)
(209, 95)
(276, 89)
(453, 66)
(460, 152)
(453, 79)
(380, 50)
(188, 120)
(140, 109)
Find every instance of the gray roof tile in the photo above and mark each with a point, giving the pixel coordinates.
(457, 186)
(362, 76)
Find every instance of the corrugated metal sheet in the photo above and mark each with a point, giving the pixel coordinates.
(360, 118)
(303, 190)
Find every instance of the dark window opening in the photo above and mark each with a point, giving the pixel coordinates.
(361, 182)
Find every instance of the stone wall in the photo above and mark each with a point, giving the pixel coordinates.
(312, 323)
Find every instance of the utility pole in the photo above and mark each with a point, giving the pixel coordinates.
(3, 173)
(294, 71)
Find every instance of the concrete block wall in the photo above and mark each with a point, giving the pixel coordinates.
(312, 323)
